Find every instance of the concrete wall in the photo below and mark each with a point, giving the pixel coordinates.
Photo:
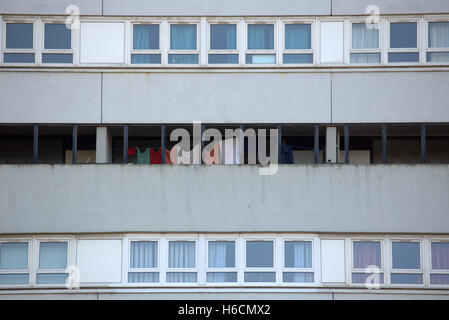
(325, 198)
(56, 7)
(353, 7)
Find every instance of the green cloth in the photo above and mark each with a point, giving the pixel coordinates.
(143, 157)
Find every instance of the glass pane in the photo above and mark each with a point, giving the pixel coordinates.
(221, 277)
(261, 58)
(439, 279)
(223, 36)
(438, 57)
(367, 254)
(260, 36)
(19, 57)
(53, 255)
(145, 58)
(19, 36)
(297, 276)
(260, 276)
(406, 278)
(14, 279)
(13, 255)
(440, 255)
(181, 254)
(57, 36)
(51, 278)
(259, 254)
(403, 57)
(181, 276)
(143, 277)
(362, 277)
(57, 58)
(145, 36)
(365, 57)
(223, 58)
(364, 38)
(183, 37)
(298, 254)
(297, 36)
(438, 34)
(221, 254)
(298, 58)
(183, 58)
(406, 255)
(403, 35)
(143, 254)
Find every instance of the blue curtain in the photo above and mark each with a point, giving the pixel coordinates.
(53, 255)
(297, 36)
(260, 36)
(223, 36)
(143, 254)
(146, 36)
(183, 37)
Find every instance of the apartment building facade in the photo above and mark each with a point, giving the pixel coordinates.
(314, 161)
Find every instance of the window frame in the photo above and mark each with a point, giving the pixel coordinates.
(268, 238)
(234, 269)
(282, 41)
(235, 51)
(170, 51)
(283, 268)
(404, 50)
(428, 49)
(144, 51)
(142, 270)
(27, 271)
(429, 260)
(33, 50)
(420, 271)
(37, 269)
(379, 50)
(382, 269)
(170, 270)
(63, 51)
(273, 51)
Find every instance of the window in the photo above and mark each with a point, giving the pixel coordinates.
(438, 42)
(298, 261)
(14, 263)
(439, 274)
(403, 42)
(406, 263)
(57, 44)
(298, 43)
(365, 43)
(260, 261)
(181, 261)
(183, 44)
(260, 44)
(223, 44)
(143, 262)
(145, 44)
(52, 263)
(221, 266)
(19, 44)
(367, 262)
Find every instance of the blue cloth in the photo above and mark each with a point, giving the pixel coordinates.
(286, 156)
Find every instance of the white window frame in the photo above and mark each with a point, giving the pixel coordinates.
(236, 51)
(167, 262)
(189, 52)
(144, 51)
(234, 269)
(273, 51)
(426, 37)
(28, 270)
(37, 269)
(379, 50)
(34, 50)
(142, 270)
(283, 268)
(282, 41)
(404, 50)
(392, 271)
(273, 269)
(43, 50)
(429, 261)
(352, 269)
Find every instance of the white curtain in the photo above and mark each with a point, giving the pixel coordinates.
(438, 34)
(364, 38)
(229, 151)
(365, 57)
(53, 255)
(143, 254)
(221, 255)
(181, 276)
(143, 277)
(13, 255)
(181, 254)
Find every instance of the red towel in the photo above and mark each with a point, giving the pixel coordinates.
(131, 151)
(155, 157)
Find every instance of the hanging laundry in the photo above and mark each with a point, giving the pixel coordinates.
(174, 154)
(189, 157)
(131, 151)
(286, 155)
(168, 157)
(230, 153)
(212, 156)
(155, 157)
(143, 157)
